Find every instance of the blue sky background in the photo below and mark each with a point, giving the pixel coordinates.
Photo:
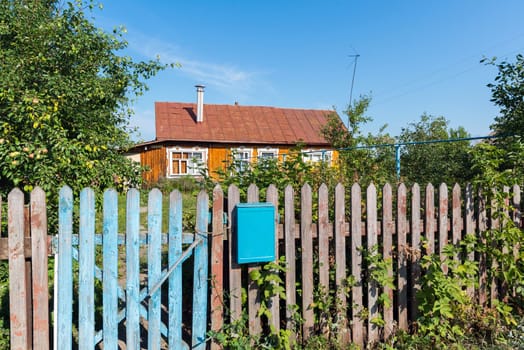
(415, 56)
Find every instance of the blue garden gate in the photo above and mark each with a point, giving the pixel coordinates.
(129, 301)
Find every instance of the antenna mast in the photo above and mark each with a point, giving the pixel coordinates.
(355, 56)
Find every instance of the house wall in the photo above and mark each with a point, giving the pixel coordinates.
(155, 157)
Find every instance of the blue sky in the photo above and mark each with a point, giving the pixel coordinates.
(415, 56)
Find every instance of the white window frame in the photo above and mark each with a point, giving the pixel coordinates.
(192, 169)
(242, 155)
(315, 156)
(267, 150)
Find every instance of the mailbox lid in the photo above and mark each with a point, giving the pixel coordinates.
(255, 224)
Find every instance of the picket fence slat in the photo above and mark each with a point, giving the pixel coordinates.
(323, 238)
(416, 249)
(39, 250)
(272, 197)
(306, 239)
(65, 263)
(17, 301)
(403, 251)
(340, 262)
(387, 249)
(372, 244)
(356, 265)
(133, 270)
(289, 238)
(443, 223)
(86, 274)
(469, 228)
(235, 273)
(253, 293)
(217, 263)
(430, 219)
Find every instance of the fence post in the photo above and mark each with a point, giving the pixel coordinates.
(340, 261)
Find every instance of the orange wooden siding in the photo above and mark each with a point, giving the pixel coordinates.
(155, 158)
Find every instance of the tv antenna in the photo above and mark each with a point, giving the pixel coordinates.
(355, 58)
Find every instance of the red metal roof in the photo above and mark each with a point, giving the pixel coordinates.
(239, 124)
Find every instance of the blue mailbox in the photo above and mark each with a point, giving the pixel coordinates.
(255, 227)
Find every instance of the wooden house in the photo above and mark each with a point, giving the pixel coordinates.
(192, 136)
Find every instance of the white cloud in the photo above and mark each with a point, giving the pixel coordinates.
(226, 77)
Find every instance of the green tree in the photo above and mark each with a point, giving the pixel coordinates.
(447, 162)
(65, 94)
(359, 159)
(508, 93)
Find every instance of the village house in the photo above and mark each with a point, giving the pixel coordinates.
(195, 136)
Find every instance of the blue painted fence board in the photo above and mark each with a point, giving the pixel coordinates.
(139, 303)
(154, 226)
(133, 270)
(86, 278)
(65, 263)
(110, 271)
(175, 279)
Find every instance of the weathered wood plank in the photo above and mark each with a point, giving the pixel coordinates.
(387, 249)
(175, 279)
(469, 227)
(289, 237)
(86, 271)
(443, 224)
(495, 224)
(456, 218)
(64, 338)
(217, 263)
(416, 230)
(40, 272)
(200, 275)
(356, 266)
(430, 219)
(402, 251)
(372, 245)
(482, 228)
(133, 270)
(235, 273)
(340, 262)
(517, 214)
(4, 247)
(274, 306)
(17, 283)
(307, 261)
(110, 271)
(253, 293)
(323, 242)
(154, 268)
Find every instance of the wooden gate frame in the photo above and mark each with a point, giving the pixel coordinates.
(133, 295)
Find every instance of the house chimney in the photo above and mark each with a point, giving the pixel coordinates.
(200, 103)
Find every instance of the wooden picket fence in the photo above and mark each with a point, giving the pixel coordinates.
(314, 251)
(131, 303)
(318, 240)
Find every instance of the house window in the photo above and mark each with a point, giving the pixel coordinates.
(242, 158)
(186, 161)
(267, 153)
(316, 156)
